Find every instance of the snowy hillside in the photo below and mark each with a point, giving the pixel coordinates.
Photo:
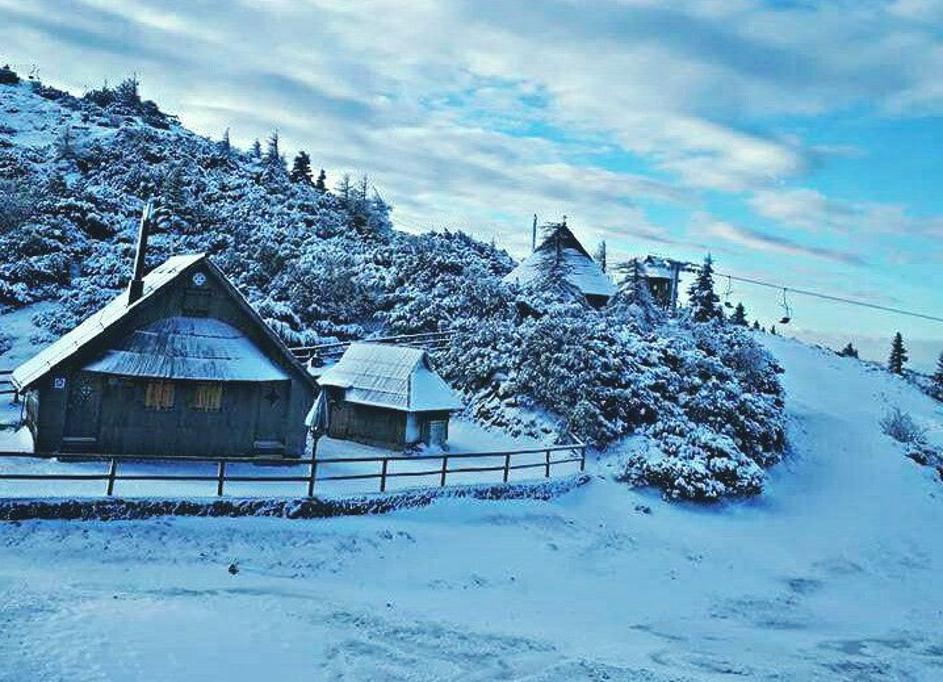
(834, 573)
(320, 263)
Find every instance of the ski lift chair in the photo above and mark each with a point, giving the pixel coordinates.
(787, 317)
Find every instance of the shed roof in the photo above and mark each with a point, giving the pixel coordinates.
(200, 348)
(396, 377)
(581, 271)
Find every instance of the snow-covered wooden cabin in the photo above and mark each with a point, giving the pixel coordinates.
(561, 251)
(661, 275)
(387, 395)
(179, 365)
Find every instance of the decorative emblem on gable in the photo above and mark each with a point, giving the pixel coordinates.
(199, 279)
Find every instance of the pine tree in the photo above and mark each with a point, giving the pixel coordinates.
(739, 316)
(321, 183)
(345, 189)
(633, 292)
(272, 154)
(701, 296)
(849, 351)
(301, 169)
(256, 149)
(898, 357)
(772, 329)
(127, 92)
(938, 379)
(65, 148)
(600, 255)
(756, 325)
(224, 145)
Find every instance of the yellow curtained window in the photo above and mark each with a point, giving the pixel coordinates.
(208, 397)
(159, 395)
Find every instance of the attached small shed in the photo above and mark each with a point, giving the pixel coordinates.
(179, 365)
(562, 252)
(387, 395)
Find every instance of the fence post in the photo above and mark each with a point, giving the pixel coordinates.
(312, 472)
(220, 477)
(383, 475)
(445, 467)
(507, 466)
(582, 459)
(547, 469)
(112, 471)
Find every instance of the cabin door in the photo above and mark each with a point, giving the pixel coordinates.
(270, 424)
(83, 407)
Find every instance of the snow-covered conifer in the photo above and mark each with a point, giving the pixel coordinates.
(739, 316)
(701, 297)
(938, 379)
(849, 351)
(301, 168)
(898, 357)
(600, 255)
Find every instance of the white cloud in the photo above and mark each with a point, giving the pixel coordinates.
(479, 112)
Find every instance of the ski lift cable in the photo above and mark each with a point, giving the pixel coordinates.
(830, 297)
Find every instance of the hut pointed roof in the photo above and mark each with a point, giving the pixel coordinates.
(560, 249)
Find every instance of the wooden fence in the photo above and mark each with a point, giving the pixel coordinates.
(431, 341)
(445, 464)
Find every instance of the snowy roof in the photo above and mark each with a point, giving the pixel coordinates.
(114, 312)
(188, 348)
(581, 271)
(37, 366)
(384, 375)
(654, 267)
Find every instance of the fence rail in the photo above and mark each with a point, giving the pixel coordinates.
(461, 462)
(427, 340)
(6, 383)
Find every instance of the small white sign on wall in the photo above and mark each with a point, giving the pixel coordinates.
(58, 383)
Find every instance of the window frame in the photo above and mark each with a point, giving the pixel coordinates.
(207, 396)
(160, 395)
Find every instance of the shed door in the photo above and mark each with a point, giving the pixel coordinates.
(82, 411)
(341, 419)
(270, 425)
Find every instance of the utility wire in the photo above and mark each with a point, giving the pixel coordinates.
(829, 297)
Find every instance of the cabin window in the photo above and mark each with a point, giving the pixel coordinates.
(159, 395)
(208, 397)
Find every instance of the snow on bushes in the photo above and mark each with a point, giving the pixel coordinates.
(322, 265)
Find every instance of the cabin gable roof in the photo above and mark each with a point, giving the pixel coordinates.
(112, 322)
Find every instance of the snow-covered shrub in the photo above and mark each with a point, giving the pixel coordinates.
(6, 342)
(900, 426)
(692, 462)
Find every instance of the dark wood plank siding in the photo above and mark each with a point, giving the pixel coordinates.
(125, 426)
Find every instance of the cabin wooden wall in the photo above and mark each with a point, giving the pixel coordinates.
(123, 420)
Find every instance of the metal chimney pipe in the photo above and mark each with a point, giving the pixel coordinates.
(136, 288)
(533, 235)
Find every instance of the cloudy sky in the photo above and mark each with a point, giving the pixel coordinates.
(799, 142)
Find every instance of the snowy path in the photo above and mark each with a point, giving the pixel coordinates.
(835, 573)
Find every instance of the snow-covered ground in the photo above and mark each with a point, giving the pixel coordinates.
(836, 572)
